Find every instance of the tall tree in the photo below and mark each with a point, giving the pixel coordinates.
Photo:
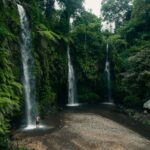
(141, 13)
(88, 55)
(70, 9)
(115, 11)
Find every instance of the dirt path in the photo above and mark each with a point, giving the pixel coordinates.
(86, 131)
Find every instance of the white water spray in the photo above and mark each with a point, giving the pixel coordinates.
(108, 75)
(27, 62)
(72, 91)
(44, 6)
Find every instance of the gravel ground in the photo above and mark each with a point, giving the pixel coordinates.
(85, 131)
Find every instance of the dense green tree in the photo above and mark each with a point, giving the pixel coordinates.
(130, 50)
(88, 56)
(70, 9)
(116, 11)
(10, 89)
(10, 92)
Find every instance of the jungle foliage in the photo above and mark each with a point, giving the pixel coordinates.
(130, 51)
(52, 33)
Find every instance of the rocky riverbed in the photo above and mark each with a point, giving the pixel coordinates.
(84, 131)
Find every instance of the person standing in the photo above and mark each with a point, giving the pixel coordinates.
(37, 121)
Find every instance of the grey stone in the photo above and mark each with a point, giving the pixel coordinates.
(147, 105)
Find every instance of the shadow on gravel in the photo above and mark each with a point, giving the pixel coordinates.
(56, 121)
(114, 113)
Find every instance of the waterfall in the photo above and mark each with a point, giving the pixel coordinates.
(44, 6)
(4, 2)
(27, 62)
(72, 91)
(108, 75)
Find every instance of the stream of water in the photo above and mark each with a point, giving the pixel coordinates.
(27, 62)
(108, 76)
(72, 90)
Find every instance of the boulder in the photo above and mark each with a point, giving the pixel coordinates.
(147, 105)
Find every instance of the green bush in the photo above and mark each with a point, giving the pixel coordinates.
(89, 97)
(132, 101)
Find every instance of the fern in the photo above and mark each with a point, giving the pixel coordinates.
(4, 32)
(46, 33)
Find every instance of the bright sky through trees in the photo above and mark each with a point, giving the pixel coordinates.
(94, 5)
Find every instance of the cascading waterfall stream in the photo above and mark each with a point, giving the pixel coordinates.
(108, 75)
(44, 6)
(72, 91)
(27, 62)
